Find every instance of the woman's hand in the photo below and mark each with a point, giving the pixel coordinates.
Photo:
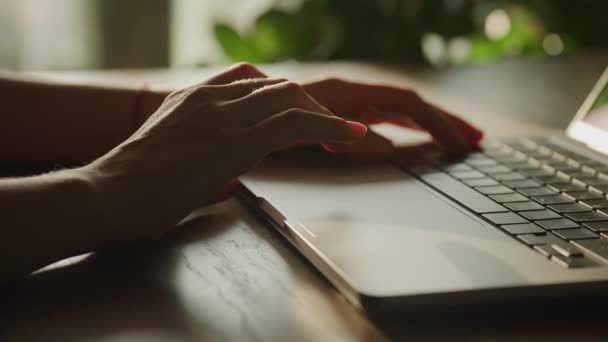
(373, 103)
(200, 139)
(376, 103)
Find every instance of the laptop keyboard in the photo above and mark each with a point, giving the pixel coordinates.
(549, 198)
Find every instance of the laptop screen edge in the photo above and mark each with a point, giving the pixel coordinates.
(592, 136)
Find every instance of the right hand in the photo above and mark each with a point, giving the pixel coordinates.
(200, 139)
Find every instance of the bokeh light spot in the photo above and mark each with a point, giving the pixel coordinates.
(459, 50)
(497, 24)
(434, 48)
(553, 44)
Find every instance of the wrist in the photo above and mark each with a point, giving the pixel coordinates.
(149, 101)
(94, 204)
(129, 206)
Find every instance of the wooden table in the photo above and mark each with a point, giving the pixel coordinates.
(224, 275)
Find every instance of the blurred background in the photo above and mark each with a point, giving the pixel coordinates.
(79, 34)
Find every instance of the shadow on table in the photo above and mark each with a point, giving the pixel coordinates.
(573, 319)
(124, 294)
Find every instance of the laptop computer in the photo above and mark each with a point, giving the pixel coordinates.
(522, 218)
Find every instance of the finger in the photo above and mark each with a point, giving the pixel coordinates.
(430, 119)
(298, 126)
(373, 147)
(272, 99)
(236, 72)
(473, 134)
(374, 116)
(237, 89)
(397, 100)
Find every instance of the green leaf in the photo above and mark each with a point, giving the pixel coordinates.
(235, 47)
(279, 35)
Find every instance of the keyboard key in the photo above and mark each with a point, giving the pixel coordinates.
(521, 144)
(596, 165)
(544, 191)
(596, 247)
(568, 187)
(510, 159)
(587, 216)
(533, 240)
(555, 199)
(494, 190)
(581, 175)
(478, 155)
(540, 215)
(538, 172)
(555, 180)
(558, 157)
(509, 176)
(524, 228)
(505, 218)
(540, 239)
(596, 181)
(494, 169)
(457, 167)
(583, 195)
(497, 154)
(546, 250)
(522, 184)
(576, 234)
(566, 249)
(588, 169)
(540, 155)
(572, 160)
(525, 165)
(600, 187)
(555, 224)
(564, 167)
(509, 198)
(596, 204)
(570, 208)
(599, 226)
(572, 262)
(547, 176)
(480, 182)
(467, 174)
(480, 161)
(524, 206)
(461, 193)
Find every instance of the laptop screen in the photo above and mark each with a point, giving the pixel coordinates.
(590, 125)
(598, 113)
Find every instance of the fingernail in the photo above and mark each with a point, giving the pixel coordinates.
(474, 138)
(357, 129)
(473, 135)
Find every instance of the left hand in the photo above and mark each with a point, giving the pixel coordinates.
(374, 103)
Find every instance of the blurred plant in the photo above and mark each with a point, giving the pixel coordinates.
(436, 31)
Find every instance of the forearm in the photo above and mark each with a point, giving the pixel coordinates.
(43, 121)
(47, 218)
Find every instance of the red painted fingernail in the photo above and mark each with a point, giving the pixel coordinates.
(475, 136)
(472, 134)
(357, 129)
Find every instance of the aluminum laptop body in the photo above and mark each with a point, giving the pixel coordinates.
(410, 234)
